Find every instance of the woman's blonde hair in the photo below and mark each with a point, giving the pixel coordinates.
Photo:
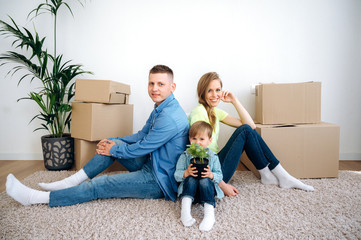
(203, 84)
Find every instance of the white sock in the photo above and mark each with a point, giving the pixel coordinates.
(23, 194)
(186, 216)
(68, 182)
(287, 181)
(267, 176)
(208, 219)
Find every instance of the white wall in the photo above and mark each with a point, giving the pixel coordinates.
(246, 42)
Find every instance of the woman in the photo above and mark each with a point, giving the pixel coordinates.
(210, 94)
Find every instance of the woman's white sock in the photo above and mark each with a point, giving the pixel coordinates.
(267, 176)
(23, 194)
(208, 219)
(287, 181)
(186, 216)
(68, 182)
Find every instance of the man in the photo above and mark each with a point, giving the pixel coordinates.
(150, 156)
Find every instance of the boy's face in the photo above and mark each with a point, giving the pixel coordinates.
(201, 139)
(160, 86)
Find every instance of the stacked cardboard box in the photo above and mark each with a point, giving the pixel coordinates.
(289, 121)
(102, 111)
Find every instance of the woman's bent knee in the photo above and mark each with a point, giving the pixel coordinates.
(245, 127)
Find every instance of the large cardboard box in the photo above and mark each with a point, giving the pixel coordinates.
(101, 91)
(305, 150)
(96, 121)
(85, 150)
(288, 103)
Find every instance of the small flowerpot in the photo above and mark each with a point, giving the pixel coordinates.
(200, 165)
(58, 153)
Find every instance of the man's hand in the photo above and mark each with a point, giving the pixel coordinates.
(207, 173)
(190, 171)
(104, 146)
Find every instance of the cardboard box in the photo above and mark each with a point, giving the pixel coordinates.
(101, 91)
(305, 151)
(288, 103)
(85, 150)
(96, 121)
(249, 165)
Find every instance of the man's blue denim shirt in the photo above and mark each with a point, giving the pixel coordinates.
(164, 137)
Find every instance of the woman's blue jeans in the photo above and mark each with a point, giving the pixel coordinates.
(140, 182)
(249, 140)
(199, 190)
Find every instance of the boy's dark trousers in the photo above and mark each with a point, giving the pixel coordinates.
(200, 190)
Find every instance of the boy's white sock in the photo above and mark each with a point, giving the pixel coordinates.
(68, 182)
(186, 216)
(267, 176)
(23, 194)
(287, 181)
(209, 219)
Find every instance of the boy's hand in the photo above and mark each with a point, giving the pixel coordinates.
(208, 173)
(190, 171)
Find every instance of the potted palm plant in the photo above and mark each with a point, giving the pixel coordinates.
(199, 157)
(34, 63)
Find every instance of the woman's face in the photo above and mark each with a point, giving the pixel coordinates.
(213, 93)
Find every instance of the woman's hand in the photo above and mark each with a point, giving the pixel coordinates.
(228, 97)
(190, 171)
(207, 173)
(244, 117)
(228, 189)
(104, 146)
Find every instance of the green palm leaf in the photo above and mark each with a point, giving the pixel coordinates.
(56, 76)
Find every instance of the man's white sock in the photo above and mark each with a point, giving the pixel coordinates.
(186, 216)
(267, 176)
(68, 182)
(23, 194)
(287, 181)
(208, 219)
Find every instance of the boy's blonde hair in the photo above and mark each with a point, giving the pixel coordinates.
(200, 127)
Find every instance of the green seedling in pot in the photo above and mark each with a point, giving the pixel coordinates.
(197, 151)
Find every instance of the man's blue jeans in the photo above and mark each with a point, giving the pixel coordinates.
(200, 190)
(247, 139)
(140, 182)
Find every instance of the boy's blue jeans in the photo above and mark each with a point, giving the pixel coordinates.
(200, 190)
(140, 182)
(249, 140)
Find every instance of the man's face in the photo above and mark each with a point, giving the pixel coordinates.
(160, 87)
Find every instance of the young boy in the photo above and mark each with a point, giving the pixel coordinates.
(201, 190)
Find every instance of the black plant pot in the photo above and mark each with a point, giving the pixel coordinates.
(200, 165)
(58, 153)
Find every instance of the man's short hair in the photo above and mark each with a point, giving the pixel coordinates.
(162, 69)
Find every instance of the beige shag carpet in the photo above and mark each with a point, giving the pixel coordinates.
(333, 211)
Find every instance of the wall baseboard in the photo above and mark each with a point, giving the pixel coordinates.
(39, 156)
(350, 156)
(21, 156)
